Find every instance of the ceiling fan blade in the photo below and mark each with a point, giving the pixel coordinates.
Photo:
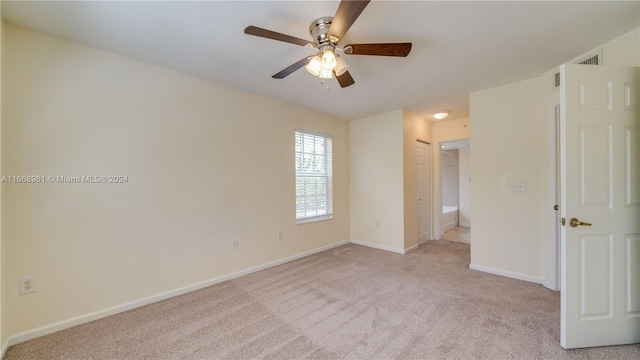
(289, 70)
(388, 49)
(345, 79)
(256, 31)
(347, 13)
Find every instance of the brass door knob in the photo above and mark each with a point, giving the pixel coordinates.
(573, 222)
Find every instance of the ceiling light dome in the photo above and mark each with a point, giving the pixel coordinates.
(441, 114)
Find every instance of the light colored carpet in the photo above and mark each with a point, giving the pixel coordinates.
(350, 302)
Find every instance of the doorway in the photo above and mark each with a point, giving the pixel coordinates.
(455, 191)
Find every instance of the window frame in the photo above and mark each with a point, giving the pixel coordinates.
(327, 154)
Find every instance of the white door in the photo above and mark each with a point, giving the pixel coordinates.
(424, 191)
(600, 158)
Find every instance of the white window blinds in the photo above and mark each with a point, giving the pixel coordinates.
(314, 193)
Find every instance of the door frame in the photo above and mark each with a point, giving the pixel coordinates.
(553, 282)
(429, 235)
(437, 187)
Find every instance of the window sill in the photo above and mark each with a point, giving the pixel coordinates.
(313, 219)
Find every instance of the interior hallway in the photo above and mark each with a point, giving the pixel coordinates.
(459, 234)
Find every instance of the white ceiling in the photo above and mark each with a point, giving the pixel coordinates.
(458, 47)
(460, 144)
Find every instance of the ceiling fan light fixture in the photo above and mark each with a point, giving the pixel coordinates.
(328, 59)
(314, 66)
(326, 64)
(441, 114)
(341, 66)
(325, 74)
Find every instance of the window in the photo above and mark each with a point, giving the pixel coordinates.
(314, 194)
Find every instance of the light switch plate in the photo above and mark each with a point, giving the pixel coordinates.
(518, 186)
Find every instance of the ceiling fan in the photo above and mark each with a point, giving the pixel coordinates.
(327, 33)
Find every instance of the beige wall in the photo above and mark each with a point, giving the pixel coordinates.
(414, 128)
(203, 169)
(451, 130)
(384, 208)
(464, 214)
(509, 144)
(450, 171)
(623, 51)
(376, 177)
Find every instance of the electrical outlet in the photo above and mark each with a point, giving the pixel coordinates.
(280, 235)
(27, 285)
(235, 244)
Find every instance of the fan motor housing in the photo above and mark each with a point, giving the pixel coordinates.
(319, 30)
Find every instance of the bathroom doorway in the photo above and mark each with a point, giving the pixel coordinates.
(455, 194)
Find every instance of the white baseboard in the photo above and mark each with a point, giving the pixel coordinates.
(379, 247)
(4, 348)
(85, 318)
(550, 286)
(465, 224)
(506, 273)
(411, 248)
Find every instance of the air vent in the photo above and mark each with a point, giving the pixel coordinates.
(592, 59)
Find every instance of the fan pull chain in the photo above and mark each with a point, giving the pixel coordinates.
(322, 83)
